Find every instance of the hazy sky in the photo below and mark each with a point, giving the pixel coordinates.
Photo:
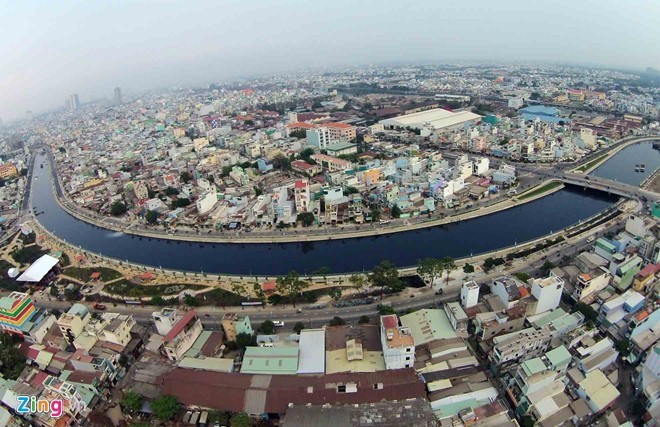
(50, 49)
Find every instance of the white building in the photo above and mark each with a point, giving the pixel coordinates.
(397, 342)
(302, 196)
(319, 137)
(469, 294)
(206, 202)
(481, 166)
(547, 293)
(182, 336)
(164, 320)
(311, 359)
(506, 288)
(73, 322)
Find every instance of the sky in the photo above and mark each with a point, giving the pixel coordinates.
(50, 49)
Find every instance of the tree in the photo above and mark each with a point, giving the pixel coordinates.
(240, 420)
(306, 218)
(587, 311)
(374, 213)
(189, 300)
(395, 212)
(468, 268)
(523, 277)
(186, 177)
(281, 162)
(258, 292)
(430, 268)
(385, 275)
(299, 326)
(12, 361)
(23, 172)
(245, 340)
(291, 285)
(132, 401)
(335, 293)
(351, 190)
(337, 321)
(306, 154)
(267, 327)
(118, 208)
(364, 319)
(170, 191)
(164, 407)
(157, 300)
(238, 288)
(322, 271)
(151, 217)
(546, 267)
(300, 134)
(623, 347)
(527, 421)
(384, 309)
(448, 265)
(357, 280)
(180, 202)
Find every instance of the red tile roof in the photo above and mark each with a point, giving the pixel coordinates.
(390, 321)
(228, 391)
(269, 286)
(649, 270)
(338, 125)
(300, 184)
(301, 125)
(178, 327)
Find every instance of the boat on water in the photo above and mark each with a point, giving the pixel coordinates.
(637, 168)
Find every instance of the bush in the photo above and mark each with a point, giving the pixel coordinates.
(299, 326)
(337, 321)
(267, 327)
(165, 407)
(363, 320)
(132, 401)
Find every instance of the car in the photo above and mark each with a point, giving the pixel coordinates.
(98, 306)
(278, 323)
(438, 292)
(590, 239)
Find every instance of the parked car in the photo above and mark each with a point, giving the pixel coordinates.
(278, 323)
(98, 306)
(590, 239)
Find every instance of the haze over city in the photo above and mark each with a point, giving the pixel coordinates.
(51, 50)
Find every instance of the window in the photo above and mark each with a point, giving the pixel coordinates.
(341, 389)
(378, 386)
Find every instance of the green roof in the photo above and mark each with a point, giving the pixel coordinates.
(452, 409)
(6, 303)
(549, 318)
(559, 356)
(428, 325)
(270, 360)
(198, 344)
(533, 366)
(340, 146)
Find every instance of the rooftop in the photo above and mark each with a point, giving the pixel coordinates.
(38, 269)
(270, 360)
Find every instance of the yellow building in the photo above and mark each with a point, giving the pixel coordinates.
(561, 99)
(372, 176)
(92, 182)
(8, 170)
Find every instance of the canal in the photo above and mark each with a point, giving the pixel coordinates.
(479, 235)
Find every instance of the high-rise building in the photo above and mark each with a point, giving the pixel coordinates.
(118, 95)
(75, 101)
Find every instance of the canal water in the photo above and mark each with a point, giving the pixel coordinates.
(479, 235)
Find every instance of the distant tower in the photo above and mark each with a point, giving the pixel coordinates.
(118, 95)
(75, 101)
(469, 294)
